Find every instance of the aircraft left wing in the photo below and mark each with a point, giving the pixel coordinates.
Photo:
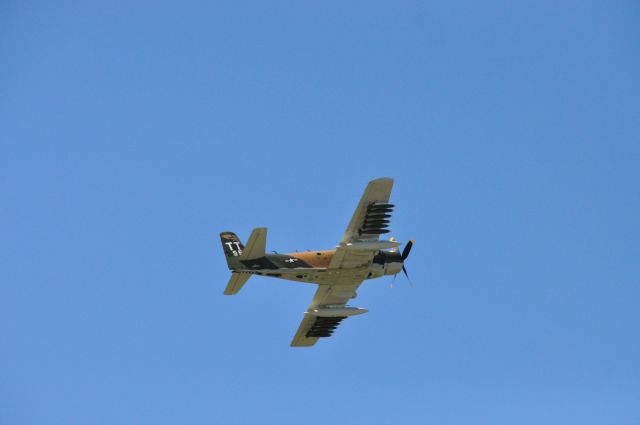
(327, 309)
(367, 223)
(370, 220)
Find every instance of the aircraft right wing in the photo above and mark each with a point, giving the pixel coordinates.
(327, 309)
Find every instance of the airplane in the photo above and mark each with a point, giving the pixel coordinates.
(359, 256)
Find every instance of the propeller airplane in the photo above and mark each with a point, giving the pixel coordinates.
(359, 256)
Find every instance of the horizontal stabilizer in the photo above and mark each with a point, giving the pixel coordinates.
(256, 245)
(237, 281)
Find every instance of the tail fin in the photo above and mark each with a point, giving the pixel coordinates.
(235, 252)
(232, 248)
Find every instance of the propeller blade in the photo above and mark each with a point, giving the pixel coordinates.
(407, 250)
(404, 270)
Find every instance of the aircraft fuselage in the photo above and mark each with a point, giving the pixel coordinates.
(313, 266)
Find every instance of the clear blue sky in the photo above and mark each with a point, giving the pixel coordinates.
(132, 133)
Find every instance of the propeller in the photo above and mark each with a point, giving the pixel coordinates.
(407, 250)
(405, 254)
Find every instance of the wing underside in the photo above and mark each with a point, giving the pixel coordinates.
(313, 327)
(369, 221)
(317, 325)
(370, 218)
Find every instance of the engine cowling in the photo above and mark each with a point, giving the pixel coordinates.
(391, 261)
(392, 268)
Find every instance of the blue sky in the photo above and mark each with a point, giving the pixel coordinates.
(132, 133)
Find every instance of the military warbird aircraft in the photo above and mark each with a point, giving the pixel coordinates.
(338, 272)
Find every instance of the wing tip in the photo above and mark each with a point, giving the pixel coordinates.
(382, 179)
(303, 342)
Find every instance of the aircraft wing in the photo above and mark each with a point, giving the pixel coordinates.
(368, 222)
(317, 324)
(378, 191)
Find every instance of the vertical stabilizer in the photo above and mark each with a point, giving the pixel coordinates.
(232, 248)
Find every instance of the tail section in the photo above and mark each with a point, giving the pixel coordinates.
(256, 245)
(235, 253)
(232, 248)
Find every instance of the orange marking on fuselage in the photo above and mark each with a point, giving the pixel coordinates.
(315, 258)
